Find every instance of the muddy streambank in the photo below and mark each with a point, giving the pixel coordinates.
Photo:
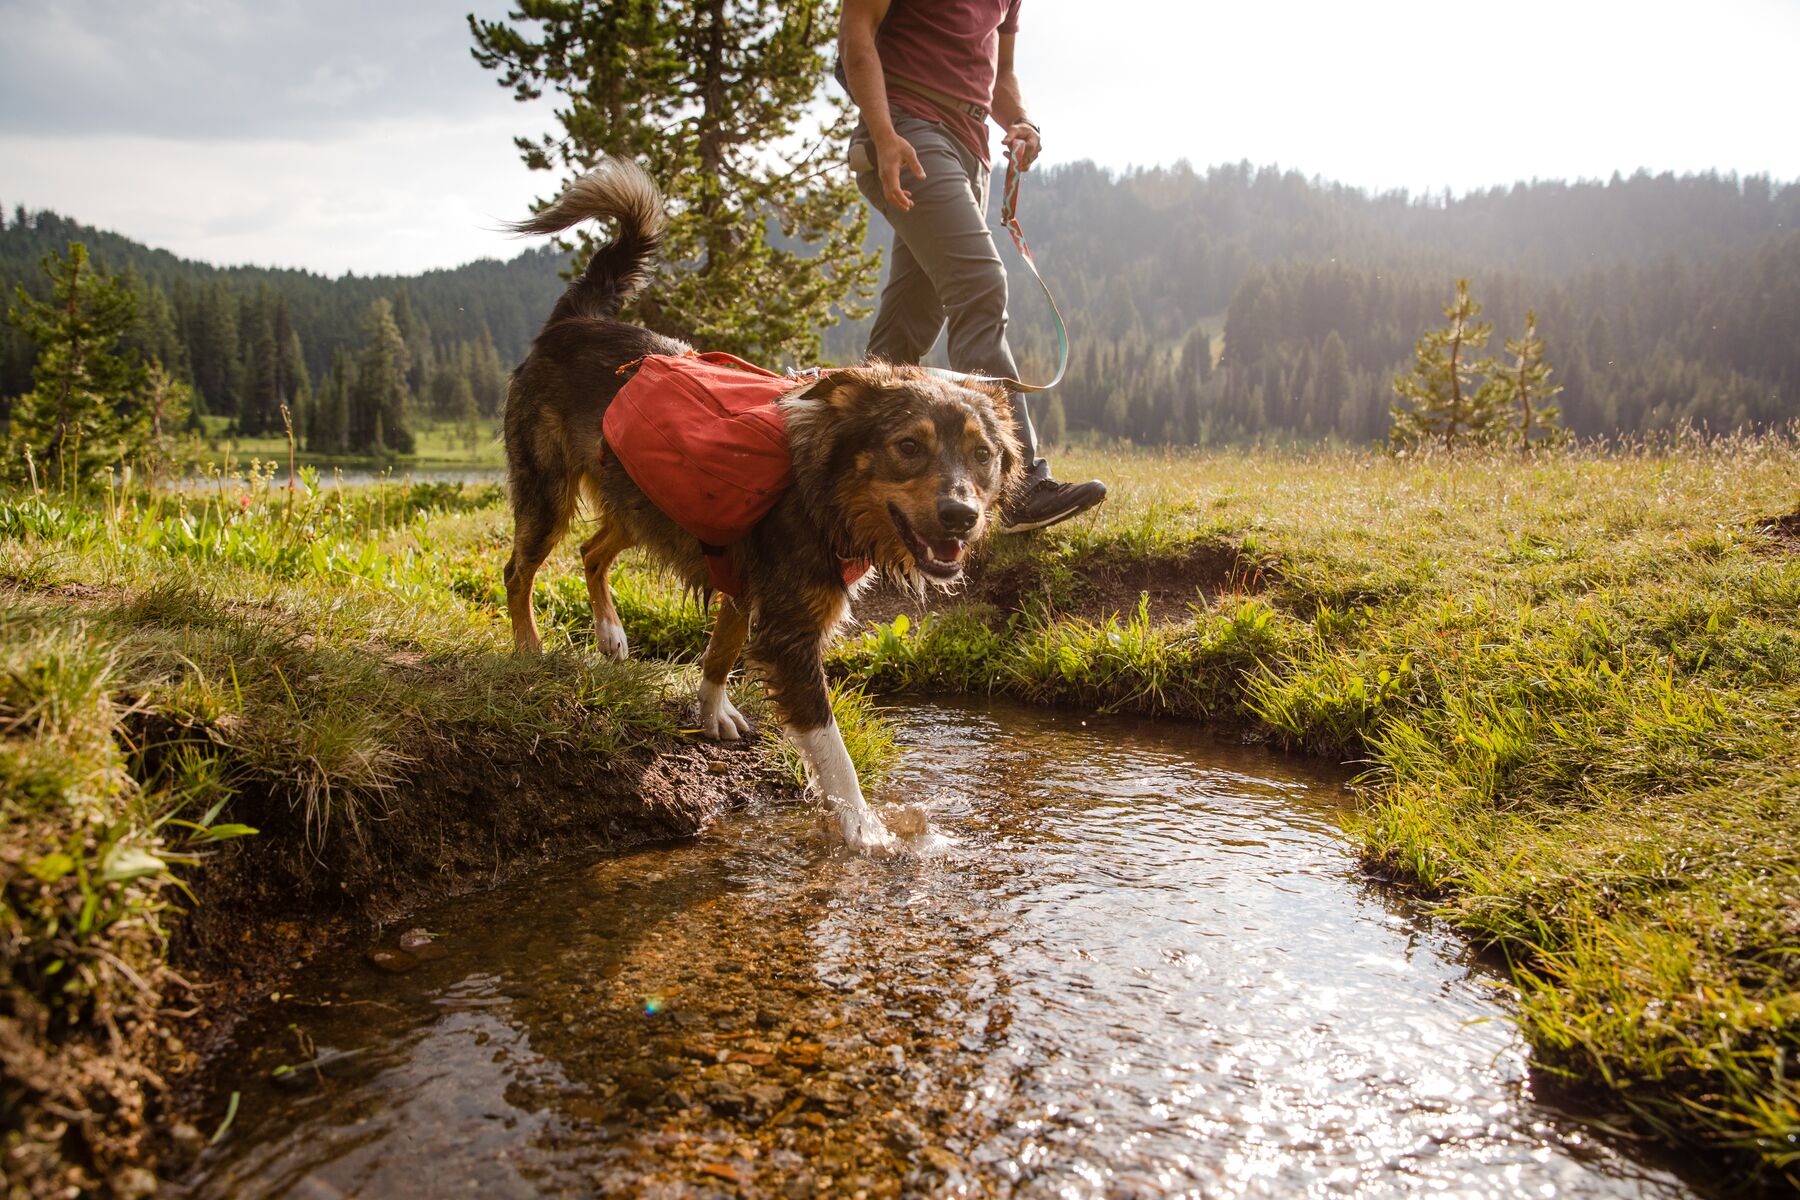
(268, 905)
(1108, 582)
(1135, 962)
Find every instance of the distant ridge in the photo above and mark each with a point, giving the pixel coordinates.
(1663, 299)
(506, 300)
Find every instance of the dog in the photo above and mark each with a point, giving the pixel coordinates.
(892, 464)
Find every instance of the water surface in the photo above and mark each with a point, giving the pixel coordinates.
(1145, 967)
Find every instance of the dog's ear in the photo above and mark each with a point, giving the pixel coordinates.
(1006, 430)
(839, 389)
(815, 418)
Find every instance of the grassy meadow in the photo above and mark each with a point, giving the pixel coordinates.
(1570, 681)
(439, 445)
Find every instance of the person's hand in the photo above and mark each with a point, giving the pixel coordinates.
(892, 154)
(1022, 144)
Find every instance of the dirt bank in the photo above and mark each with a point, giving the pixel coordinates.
(206, 781)
(264, 905)
(1106, 581)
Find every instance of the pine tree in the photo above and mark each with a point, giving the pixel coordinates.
(1196, 356)
(167, 412)
(1527, 387)
(213, 347)
(378, 409)
(1115, 418)
(487, 376)
(1440, 398)
(155, 334)
(79, 412)
(331, 415)
(262, 369)
(1333, 386)
(468, 417)
(1054, 426)
(718, 101)
(293, 389)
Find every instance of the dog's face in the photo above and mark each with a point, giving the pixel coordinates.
(915, 464)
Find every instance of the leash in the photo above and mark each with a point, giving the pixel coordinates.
(1009, 220)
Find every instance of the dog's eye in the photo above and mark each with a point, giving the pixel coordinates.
(983, 454)
(907, 447)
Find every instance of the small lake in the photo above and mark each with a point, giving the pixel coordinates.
(1144, 966)
(334, 477)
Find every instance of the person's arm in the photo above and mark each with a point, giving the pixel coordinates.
(857, 27)
(1021, 140)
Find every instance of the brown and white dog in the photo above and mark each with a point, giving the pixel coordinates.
(891, 464)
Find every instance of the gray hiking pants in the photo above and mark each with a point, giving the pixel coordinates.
(944, 266)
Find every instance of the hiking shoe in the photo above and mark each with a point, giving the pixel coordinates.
(1040, 500)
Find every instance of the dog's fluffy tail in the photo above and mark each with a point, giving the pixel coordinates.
(617, 189)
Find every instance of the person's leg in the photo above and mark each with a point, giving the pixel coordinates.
(947, 234)
(981, 179)
(909, 317)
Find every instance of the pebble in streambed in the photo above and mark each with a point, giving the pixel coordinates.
(416, 946)
(729, 1061)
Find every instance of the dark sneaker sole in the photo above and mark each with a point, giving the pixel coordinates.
(1074, 510)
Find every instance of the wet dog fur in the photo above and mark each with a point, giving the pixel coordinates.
(891, 464)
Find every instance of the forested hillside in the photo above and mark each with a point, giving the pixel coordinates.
(1228, 304)
(1204, 307)
(252, 338)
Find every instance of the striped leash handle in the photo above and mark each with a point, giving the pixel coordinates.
(1009, 218)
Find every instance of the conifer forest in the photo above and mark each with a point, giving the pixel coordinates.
(1207, 308)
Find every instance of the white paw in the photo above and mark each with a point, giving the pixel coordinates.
(611, 637)
(863, 831)
(719, 717)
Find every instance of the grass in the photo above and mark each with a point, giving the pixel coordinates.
(438, 445)
(1570, 681)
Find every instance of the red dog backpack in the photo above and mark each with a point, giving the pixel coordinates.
(702, 438)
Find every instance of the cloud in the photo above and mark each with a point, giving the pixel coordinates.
(234, 68)
(330, 135)
(345, 135)
(393, 196)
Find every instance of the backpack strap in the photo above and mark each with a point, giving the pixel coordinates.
(721, 571)
(723, 574)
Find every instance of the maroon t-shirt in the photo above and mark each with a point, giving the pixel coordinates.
(950, 45)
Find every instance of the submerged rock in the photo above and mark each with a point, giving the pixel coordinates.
(422, 945)
(395, 962)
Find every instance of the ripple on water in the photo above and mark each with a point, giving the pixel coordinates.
(1143, 965)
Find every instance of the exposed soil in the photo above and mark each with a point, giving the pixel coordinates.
(1108, 583)
(1784, 529)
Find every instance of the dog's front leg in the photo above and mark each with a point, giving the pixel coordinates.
(788, 652)
(719, 717)
(828, 762)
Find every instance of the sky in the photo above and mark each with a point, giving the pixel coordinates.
(342, 136)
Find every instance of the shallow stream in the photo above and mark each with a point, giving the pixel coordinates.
(1145, 966)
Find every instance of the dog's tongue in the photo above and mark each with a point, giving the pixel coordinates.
(948, 551)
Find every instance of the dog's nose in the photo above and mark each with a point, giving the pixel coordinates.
(956, 516)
